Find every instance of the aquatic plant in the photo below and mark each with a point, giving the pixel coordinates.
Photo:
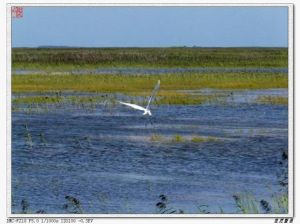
(35, 103)
(221, 210)
(156, 138)
(203, 209)
(163, 206)
(128, 209)
(41, 211)
(246, 203)
(281, 200)
(265, 206)
(281, 203)
(177, 139)
(73, 205)
(24, 206)
(42, 138)
(104, 200)
(28, 137)
(138, 88)
(78, 142)
(284, 171)
(199, 139)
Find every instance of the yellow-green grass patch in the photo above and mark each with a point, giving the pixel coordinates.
(144, 83)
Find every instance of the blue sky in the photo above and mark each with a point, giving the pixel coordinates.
(151, 27)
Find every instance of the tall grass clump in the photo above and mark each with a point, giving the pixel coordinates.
(25, 208)
(163, 206)
(281, 203)
(246, 203)
(278, 204)
(73, 205)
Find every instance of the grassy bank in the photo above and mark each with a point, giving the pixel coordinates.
(169, 98)
(141, 85)
(74, 58)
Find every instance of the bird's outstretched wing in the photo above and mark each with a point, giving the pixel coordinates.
(134, 106)
(153, 94)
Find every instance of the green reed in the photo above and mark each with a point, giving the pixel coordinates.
(76, 58)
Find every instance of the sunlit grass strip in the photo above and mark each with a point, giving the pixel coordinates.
(144, 83)
(275, 100)
(177, 138)
(199, 139)
(174, 98)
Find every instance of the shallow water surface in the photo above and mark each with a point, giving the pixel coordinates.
(106, 159)
(149, 71)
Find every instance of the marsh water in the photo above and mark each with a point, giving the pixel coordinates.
(105, 157)
(150, 71)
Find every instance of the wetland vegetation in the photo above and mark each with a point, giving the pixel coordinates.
(144, 83)
(213, 144)
(60, 59)
(72, 58)
(172, 90)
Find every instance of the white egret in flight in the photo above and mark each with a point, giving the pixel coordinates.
(147, 109)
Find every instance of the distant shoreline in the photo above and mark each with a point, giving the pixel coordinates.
(145, 47)
(179, 57)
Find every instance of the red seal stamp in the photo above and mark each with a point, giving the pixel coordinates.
(16, 12)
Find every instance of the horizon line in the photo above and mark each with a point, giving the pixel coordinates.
(66, 46)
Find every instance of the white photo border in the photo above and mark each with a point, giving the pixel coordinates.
(291, 160)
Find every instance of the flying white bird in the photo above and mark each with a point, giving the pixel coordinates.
(147, 109)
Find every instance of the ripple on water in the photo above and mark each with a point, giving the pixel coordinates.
(97, 153)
